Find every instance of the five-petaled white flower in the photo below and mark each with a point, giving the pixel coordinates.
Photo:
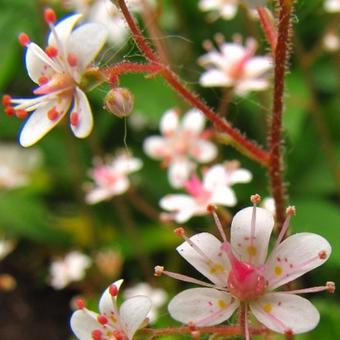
(181, 145)
(157, 297)
(332, 6)
(58, 72)
(242, 274)
(71, 268)
(111, 178)
(111, 323)
(234, 65)
(213, 189)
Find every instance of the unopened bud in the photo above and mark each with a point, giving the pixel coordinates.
(119, 101)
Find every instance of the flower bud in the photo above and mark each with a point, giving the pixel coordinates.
(119, 101)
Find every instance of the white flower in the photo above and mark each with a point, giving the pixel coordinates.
(111, 178)
(269, 204)
(104, 12)
(332, 6)
(241, 272)
(181, 145)
(111, 323)
(58, 72)
(213, 189)
(236, 66)
(331, 41)
(224, 8)
(5, 248)
(157, 297)
(71, 268)
(16, 165)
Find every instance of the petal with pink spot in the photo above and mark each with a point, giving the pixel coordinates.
(83, 323)
(169, 122)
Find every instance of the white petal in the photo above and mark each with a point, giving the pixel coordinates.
(133, 312)
(83, 323)
(183, 206)
(169, 122)
(228, 11)
(215, 78)
(193, 122)
(295, 256)
(203, 151)
(63, 30)
(257, 66)
(239, 176)
(202, 306)
(224, 196)
(124, 164)
(156, 147)
(179, 171)
(247, 85)
(85, 42)
(38, 63)
(107, 303)
(82, 107)
(282, 312)
(214, 177)
(97, 195)
(214, 265)
(251, 251)
(38, 124)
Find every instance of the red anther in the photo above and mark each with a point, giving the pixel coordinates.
(330, 287)
(74, 119)
(113, 290)
(51, 51)
(179, 231)
(322, 255)
(52, 114)
(118, 335)
(6, 100)
(50, 16)
(97, 334)
(291, 211)
(10, 111)
(23, 39)
(211, 208)
(255, 199)
(192, 326)
(288, 332)
(72, 59)
(80, 303)
(42, 80)
(102, 319)
(158, 270)
(21, 113)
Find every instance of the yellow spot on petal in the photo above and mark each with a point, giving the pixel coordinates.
(216, 268)
(278, 270)
(267, 307)
(221, 304)
(252, 251)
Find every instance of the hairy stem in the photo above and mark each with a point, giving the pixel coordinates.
(275, 133)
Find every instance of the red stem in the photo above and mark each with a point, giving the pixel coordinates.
(254, 151)
(268, 28)
(275, 137)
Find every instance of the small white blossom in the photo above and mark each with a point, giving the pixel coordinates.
(71, 268)
(111, 323)
(332, 6)
(16, 165)
(236, 66)
(58, 71)
(181, 145)
(331, 41)
(111, 178)
(241, 272)
(213, 189)
(269, 204)
(157, 297)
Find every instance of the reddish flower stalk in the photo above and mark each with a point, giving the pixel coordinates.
(275, 133)
(254, 151)
(268, 28)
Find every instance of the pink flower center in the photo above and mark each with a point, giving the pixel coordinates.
(195, 188)
(244, 280)
(104, 177)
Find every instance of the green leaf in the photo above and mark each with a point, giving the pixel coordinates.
(321, 217)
